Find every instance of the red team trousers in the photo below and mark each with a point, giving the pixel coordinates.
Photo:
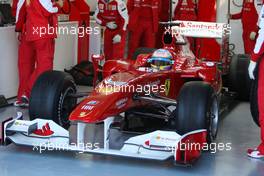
(114, 50)
(143, 35)
(261, 101)
(34, 58)
(258, 57)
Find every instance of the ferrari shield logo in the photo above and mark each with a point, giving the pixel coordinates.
(101, 6)
(184, 2)
(112, 7)
(167, 87)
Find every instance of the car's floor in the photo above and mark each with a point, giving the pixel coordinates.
(236, 128)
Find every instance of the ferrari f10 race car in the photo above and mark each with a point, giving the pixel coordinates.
(168, 97)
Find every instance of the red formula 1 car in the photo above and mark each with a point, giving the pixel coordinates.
(167, 108)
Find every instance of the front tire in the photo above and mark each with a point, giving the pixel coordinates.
(197, 109)
(50, 98)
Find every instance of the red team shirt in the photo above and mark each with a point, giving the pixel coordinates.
(112, 11)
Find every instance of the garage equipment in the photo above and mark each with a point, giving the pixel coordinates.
(3, 102)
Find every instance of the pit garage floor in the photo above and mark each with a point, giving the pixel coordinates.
(236, 127)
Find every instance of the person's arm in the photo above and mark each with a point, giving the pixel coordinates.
(122, 10)
(236, 16)
(66, 7)
(19, 12)
(160, 7)
(256, 55)
(48, 8)
(259, 48)
(261, 17)
(130, 6)
(177, 9)
(14, 7)
(98, 17)
(196, 3)
(174, 5)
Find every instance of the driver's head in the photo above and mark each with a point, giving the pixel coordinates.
(161, 60)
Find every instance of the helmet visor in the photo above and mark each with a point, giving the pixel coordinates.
(161, 61)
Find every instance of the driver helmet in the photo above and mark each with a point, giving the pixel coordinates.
(161, 60)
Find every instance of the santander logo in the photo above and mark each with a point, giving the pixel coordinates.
(207, 26)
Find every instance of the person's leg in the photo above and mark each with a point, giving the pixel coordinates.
(134, 40)
(159, 36)
(248, 43)
(26, 65)
(108, 44)
(119, 48)
(44, 49)
(261, 104)
(192, 43)
(149, 35)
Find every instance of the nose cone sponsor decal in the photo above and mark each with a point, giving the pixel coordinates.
(121, 103)
(87, 108)
(84, 114)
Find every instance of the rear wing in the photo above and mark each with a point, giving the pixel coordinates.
(200, 29)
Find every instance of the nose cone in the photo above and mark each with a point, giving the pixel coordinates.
(109, 98)
(92, 109)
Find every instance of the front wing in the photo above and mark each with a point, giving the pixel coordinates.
(158, 145)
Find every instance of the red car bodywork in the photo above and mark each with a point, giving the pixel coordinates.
(103, 102)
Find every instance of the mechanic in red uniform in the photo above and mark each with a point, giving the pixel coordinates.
(143, 23)
(258, 57)
(249, 18)
(185, 10)
(25, 66)
(164, 16)
(36, 50)
(113, 15)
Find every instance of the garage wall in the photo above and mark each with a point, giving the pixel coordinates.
(222, 11)
(236, 25)
(92, 4)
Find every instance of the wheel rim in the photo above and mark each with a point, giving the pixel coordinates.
(67, 104)
(214, 119)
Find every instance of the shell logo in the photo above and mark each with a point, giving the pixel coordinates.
(83, 114)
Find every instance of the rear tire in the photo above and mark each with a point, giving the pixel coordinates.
(238, 77)
(142, 51)
(197, 109)
(49, 98)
